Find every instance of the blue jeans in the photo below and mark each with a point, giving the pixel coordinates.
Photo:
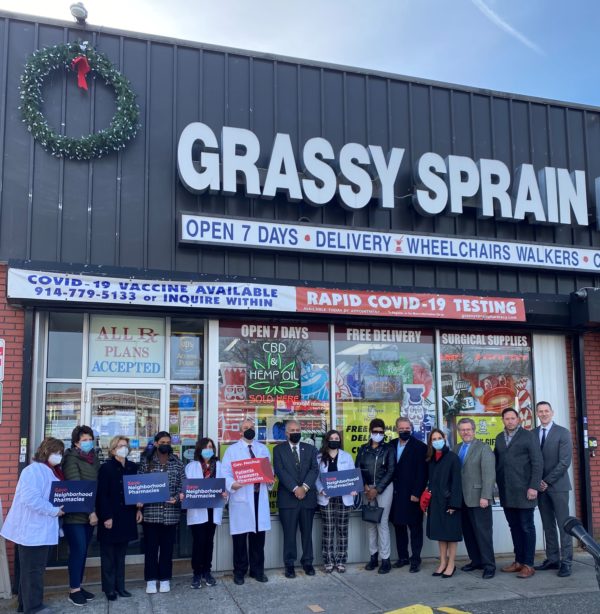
(79, 537)
(522, 529)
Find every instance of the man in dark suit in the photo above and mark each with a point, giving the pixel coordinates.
(296, 467)
(410, 478)
(557, 451)
(519, 467)
(478, 479)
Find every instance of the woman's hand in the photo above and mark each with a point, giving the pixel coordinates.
(139, 517)
(61, 512)
(353, 493)
(372, 494)
(225, 495)
(108, 524)
(172, 500)
(236, 486)
(181, 496)
(93, 519)
(450, 511)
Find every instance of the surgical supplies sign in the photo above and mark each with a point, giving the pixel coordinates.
(146, 488)
(74, 495)
(206, 492)
(337, 483)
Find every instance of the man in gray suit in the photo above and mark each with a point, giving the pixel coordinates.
(478, 479)
(557, 450)
(519, 467)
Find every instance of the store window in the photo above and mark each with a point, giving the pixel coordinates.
(383, 373)
(65, 345)
(273, 372)
(185, 419)
(186, 347)
(481, 375)
(63, 408)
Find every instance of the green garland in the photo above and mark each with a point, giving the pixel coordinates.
(123, 126)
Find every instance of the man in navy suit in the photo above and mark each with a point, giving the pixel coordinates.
(295, 465)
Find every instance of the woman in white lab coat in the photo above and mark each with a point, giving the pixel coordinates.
(334, 510)
(32, 522)
(203, 521)
(249, 515)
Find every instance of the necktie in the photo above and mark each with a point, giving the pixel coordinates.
(296, 457)
(463, 453)
(543, 439)
(252, 455)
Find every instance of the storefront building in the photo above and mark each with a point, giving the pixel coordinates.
(282, 238)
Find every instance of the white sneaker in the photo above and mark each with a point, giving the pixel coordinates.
(151, 587)
(165, 586)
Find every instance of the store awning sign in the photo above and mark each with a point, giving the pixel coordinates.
(41, 286)
(251, 234)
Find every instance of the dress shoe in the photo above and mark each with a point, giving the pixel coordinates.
(526, 572)
(289, 572)
(401, 563)
(309, 570)
(124, 593)
(470, 567)
(239, 580)
(449, 575)
(385, 566)
(488, 574)
(111, 596)
(512, 568)
(415, 568)
(372, 564)
(565, 570)
(547, 565)
(437, 574)
(261, 578)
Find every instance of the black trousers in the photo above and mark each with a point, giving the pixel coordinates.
(249, 549)
(203, 536)
(291, 519)
(112, 566)
(416, 541)
(159, 540)
(32, 564)
(478, 531)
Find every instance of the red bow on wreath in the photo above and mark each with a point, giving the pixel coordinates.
(82, 66)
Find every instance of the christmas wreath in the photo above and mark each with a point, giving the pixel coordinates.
(82, 59)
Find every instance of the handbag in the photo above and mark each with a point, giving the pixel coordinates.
(371, 512)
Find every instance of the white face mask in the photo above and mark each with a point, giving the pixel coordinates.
(55, 459)
(122, 452)
(377, 437)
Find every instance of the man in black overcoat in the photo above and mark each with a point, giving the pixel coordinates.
(410, 478)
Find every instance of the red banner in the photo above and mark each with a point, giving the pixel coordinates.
(252, 471)
(409, 305)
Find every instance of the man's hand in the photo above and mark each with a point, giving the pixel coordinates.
(108, 523)
(93, 519)
(483, 503)
(300, 493)
(532, 494)
(543, 486)
(414, 499)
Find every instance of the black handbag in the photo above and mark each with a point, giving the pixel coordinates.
(371, 512)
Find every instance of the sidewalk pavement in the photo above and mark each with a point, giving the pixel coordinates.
(355, 591)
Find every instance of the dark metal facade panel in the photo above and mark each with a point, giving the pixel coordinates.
(121, 211)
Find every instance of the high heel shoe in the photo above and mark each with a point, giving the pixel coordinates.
(449, 575)
(437, 574)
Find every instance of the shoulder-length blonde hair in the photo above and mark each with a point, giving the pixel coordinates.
(112, 446)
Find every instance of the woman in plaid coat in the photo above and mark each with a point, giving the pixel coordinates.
(161, 519)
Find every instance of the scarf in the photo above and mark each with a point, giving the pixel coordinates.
(88, 457)
(438, 455)
(206, 469)
(56, 470)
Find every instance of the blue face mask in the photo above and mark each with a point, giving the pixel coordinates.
(207, 453)
(86, 446)
(438, 444)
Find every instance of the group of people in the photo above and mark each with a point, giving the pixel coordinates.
(405, 478)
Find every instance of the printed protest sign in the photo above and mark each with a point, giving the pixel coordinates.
(203, 493)
(252, 470)
(74, 495)
(146, 488)
(337, 483)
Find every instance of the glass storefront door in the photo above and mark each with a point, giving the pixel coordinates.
(132, 411)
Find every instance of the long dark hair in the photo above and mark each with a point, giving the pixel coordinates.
(151, 448)
(325, 456)
(200, 445)
(430, 450)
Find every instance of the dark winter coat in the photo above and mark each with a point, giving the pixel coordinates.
(445, 483)
(410, 478)
(376, 465)
(76, 468)
(110, 503)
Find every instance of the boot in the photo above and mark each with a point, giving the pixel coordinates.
(372, 564)
(386, 566)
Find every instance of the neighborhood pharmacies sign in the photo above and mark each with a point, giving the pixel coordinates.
(114, 338)
(224, 231)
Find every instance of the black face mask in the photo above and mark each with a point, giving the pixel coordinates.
(295, 437)
(334, 445)
(249, 434)
(404, 435)
(165, 448)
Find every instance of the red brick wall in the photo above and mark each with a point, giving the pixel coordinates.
(573, 426)
(12, 331)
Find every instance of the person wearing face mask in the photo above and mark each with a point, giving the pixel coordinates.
(203, 521)
(117, 522)
(249, 514)
(410, 477)
(32, 523)
(295, 465)
(444, 512)
(334, 510)
(161, 519)
(376, 461)
(80, 463)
